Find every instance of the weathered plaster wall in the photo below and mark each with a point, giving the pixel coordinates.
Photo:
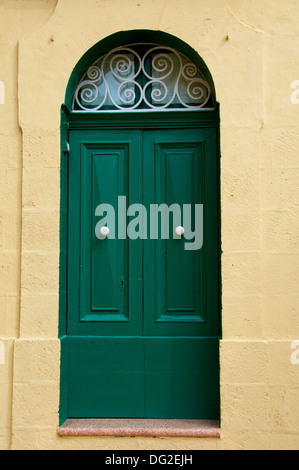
(17, 19)
(251, 49)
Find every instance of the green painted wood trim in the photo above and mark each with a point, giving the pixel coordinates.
(63, 406)
(64, 128)
(144, 120)
(64, 370)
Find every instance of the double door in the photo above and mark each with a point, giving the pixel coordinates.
(143, 313)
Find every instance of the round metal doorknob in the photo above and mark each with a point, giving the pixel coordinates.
(104, 231)
(180, 231)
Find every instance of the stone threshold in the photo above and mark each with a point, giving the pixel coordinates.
(122, 427)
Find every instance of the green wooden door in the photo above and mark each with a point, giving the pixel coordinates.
(142, 322)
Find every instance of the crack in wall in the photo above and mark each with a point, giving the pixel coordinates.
(246, 25)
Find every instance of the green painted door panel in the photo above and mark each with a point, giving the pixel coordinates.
(104, 172)
(106, 378)
(181, 378)
(105, 276)
(171, 378)
(180, 286)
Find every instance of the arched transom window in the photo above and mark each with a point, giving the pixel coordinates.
(142, 77)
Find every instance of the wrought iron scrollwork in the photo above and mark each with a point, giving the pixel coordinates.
(157, 78)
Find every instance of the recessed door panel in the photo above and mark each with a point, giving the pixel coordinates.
(103, 266)
(105, 290)
(177, 181)
(177, 164)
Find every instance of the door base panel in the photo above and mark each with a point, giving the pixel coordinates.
(105, 377)
(181, 378)
(169, 378)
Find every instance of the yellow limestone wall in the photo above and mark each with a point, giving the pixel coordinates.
(251, 48)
